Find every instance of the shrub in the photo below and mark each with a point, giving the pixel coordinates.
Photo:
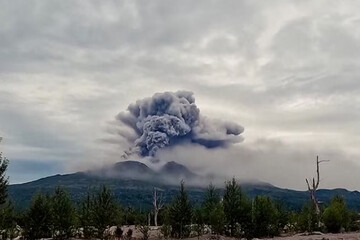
(336, 216)
(145, 230)
(165, 231)
(118, 232)
(129, 234)
(307, 220)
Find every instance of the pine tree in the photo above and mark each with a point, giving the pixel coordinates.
(198, 221)
(63, 214)
(4, 162)
(7, 221)
(265, 217)
(213, 210)
(105, 211)
(217, 220)
(237, 208)
(86, 217)
(211, 202)
(38, 222)
(180, 214)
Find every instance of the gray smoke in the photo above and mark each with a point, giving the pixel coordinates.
(170, 118)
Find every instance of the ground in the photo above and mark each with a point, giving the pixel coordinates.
(155, 233)
(345, 236)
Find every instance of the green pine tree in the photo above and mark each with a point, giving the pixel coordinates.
(217, 220)
(38, 222)
(7, 218)
(86, 217)
(211, 202)
(198, 221)
(4, 181)
(213, 210)
(7, 221)
(63, 214)
(106, 212)
(265, 217)
(237, 208)
(180, 214)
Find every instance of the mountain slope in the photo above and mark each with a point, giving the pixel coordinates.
(125, 170)
(131, 189)
(176, 170)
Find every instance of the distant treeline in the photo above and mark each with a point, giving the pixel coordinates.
(232, 213)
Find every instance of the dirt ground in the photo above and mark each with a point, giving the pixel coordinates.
(154, 234)
(344, 236)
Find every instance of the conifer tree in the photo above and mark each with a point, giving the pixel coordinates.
(7, 221)
(237, 208)
(86, 217)
(105, 211)
(38, 222)
(211, 202)
(213, 210)
(180, 214)
(217, 220)
(4, 162)
(63, 214)
(265, 217)
(198, 223)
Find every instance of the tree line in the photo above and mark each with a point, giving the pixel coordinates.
(232, 213)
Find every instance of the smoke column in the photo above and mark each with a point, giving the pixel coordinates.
(171, 118)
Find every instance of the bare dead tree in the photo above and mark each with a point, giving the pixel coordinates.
(313, 187)
(158, 203)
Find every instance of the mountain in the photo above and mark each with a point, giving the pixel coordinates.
(125, 170)
(133, 182)
(176, 170)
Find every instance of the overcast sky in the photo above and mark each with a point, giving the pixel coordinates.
(288, 71)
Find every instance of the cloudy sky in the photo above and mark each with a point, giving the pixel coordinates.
(285, 70)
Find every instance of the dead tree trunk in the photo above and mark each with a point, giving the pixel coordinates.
(158, 204)
(312, 188)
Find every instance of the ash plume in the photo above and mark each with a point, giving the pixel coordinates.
(171, 118)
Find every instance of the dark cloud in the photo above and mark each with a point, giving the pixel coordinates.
(169, 118)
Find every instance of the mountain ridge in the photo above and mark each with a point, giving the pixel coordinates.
(132, 183)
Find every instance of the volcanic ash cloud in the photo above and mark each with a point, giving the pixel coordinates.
(171, 118)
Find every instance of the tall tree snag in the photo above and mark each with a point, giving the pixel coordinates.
(158, 204)
(312, 188)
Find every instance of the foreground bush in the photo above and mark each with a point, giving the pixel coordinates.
(336, 217)
(308, 220)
